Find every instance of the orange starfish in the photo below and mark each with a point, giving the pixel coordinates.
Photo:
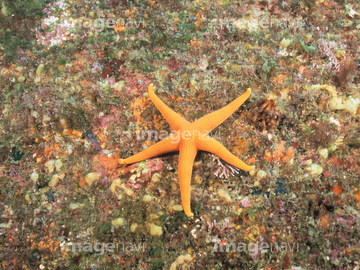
(188, 139)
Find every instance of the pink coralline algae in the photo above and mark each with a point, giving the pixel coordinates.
(138, 81)
(224, 170)
(54, 30)
(142, 173)
(245, 203)
(154, 164)
(109, 120)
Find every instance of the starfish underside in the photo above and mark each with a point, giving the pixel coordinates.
(188, 139)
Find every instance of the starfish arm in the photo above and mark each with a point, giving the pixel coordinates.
(165, 146)
(186, 159)
(214, 119)
(175, 120)
(210, 145)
